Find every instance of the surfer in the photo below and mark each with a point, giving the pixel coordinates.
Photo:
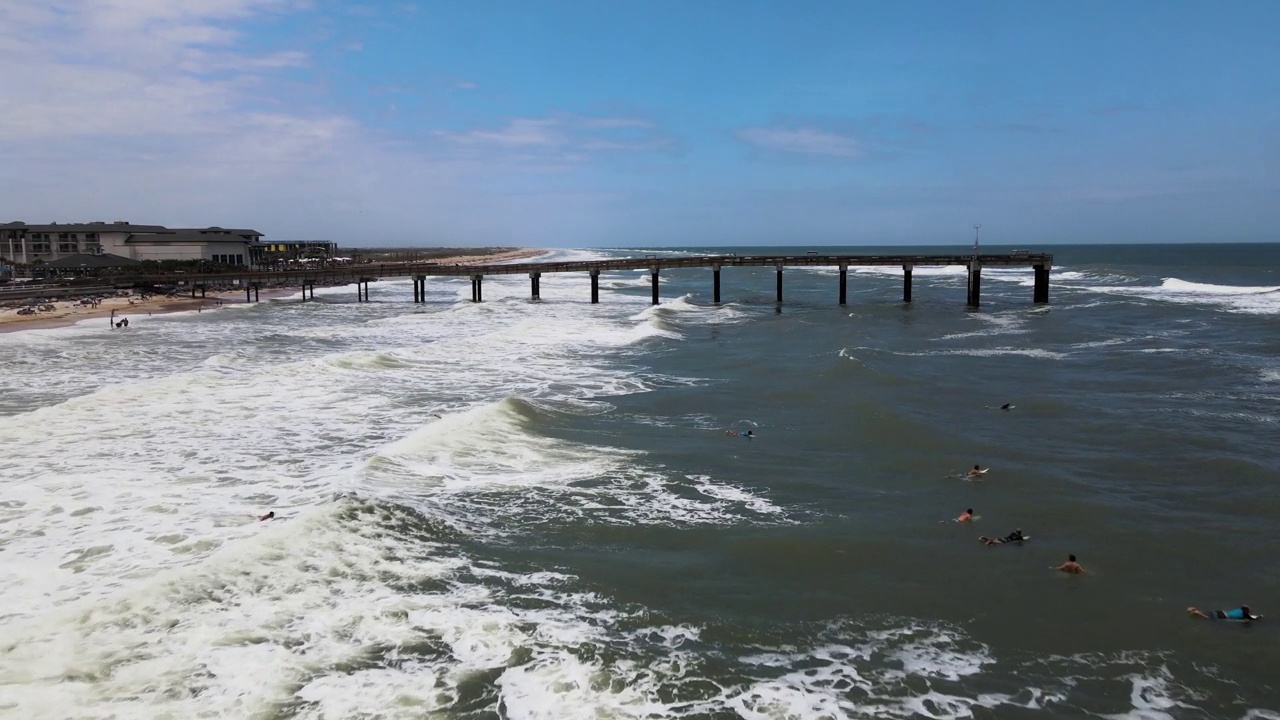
(269, 516)
(975, 472)
(742, 433)
(1240, 613)
(1071, 566)
(1007, 406)
(965, 516)
(1014, 537)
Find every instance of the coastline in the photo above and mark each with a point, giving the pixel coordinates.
(70, 312)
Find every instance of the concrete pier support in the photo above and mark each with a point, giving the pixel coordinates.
(535, 285)
(906, 283)
(975, 283)
(248, 294)
(255, 292)
(715, 284)
(595, 286)
(654, 271)
(477, 288)
(844, 283)
(779, 269)
(1040, 293)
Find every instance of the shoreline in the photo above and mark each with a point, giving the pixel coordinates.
(69, 312)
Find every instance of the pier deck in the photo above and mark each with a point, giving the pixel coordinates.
(363, 274)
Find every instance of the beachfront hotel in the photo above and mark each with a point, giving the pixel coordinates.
(25, 244)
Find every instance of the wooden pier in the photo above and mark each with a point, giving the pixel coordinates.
(362, 275)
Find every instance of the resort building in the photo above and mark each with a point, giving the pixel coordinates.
(25, 244)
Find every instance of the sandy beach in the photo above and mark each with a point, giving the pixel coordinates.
(70, 312)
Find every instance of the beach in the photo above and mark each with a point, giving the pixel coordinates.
(69, 312)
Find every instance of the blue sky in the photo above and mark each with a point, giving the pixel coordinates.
(647, 123)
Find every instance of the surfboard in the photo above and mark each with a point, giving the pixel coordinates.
(984, 539)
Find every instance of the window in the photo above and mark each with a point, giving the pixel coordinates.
(239, 259)
(91, 237)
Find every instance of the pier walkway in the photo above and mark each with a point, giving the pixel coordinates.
(362, 275)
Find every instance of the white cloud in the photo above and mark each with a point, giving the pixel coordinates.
(802, 140)
(567, 137)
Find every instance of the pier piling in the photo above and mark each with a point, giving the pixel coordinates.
(655, 285)
(975, 283)
(535, 285)
(477, 288)
(595, 286)
(906, 283)
(715, 284)
(779, 268)
(844, 283)
(1040, 294)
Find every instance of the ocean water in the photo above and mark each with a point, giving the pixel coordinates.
(532, 510)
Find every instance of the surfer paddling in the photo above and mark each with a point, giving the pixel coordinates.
(1242, 613)
(269, 516)
(976, 471)
(1014, 537)
(966, 516)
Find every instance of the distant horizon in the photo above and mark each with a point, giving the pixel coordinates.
(571, 124)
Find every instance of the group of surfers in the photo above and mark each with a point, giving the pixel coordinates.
(1243, 613)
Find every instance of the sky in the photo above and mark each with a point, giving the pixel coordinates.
(647, 123)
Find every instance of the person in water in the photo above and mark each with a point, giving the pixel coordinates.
(1071, 566)
(743, 433)
(965, 516)
(976, 471)
(1240, 613)
(1007, 406)
(269, 516)
(1014, 537)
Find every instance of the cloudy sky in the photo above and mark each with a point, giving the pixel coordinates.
(647, 122)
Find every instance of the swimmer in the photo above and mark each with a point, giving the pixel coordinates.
(1014, 537)
(269, 516)
(742, 433)
(1241, 613)
(1070, 566)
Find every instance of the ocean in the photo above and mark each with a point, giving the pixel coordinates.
(524, 510)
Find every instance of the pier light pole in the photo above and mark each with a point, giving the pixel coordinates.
(975, 239)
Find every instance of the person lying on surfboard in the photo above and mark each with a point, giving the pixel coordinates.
(976, 471)
(1240, 613)
(1014, 537)
(965, 516)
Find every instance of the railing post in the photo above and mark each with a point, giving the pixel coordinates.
(906, 283)
(595, 285)
(715, 283)
(844, 282)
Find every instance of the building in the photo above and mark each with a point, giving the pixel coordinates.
(26, 244)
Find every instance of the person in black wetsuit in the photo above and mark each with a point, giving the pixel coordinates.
(1014, 537)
